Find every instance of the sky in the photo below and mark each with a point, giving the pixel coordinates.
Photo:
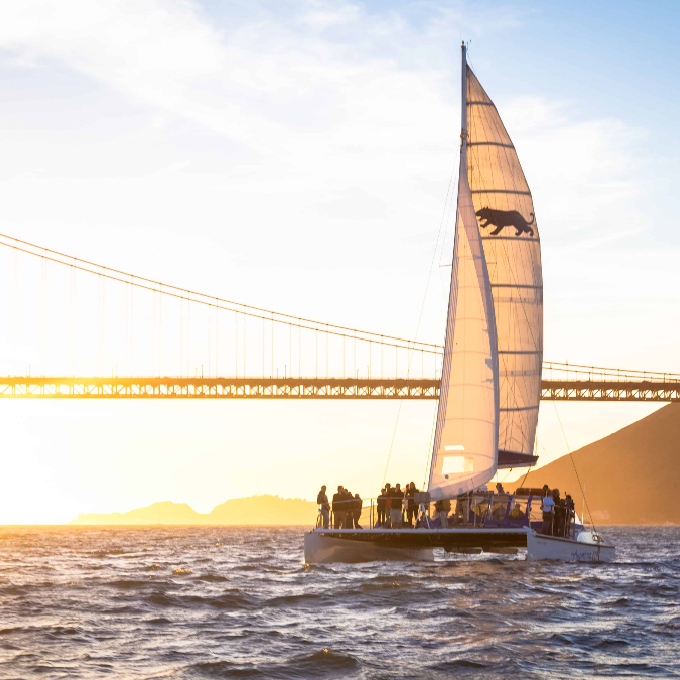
(297, 156)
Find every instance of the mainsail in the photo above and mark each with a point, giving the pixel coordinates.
(493, 352)
(512, 247)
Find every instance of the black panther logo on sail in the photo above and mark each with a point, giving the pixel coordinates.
(505, 218)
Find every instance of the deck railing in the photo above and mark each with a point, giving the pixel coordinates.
(483, 510)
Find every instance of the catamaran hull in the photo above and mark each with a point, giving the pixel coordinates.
(369, 545)
(541, 547)
(320, 549)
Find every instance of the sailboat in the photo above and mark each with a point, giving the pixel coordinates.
(491, 375)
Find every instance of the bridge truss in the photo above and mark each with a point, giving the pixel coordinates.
(311, 388)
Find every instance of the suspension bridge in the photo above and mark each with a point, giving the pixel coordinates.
(154, 340)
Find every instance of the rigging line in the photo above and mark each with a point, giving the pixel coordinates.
(525, 477)
(429, 446)
(583, 495)
(182, 290)
(217, 343)
(532, 465)
(394, 434)
(126, 330)
(153, 338)
(506, 475)
(436, 348)
(420, 316)
(188, 334)
(132, 326)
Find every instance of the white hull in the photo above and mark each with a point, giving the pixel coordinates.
(584, 549)
(320, 549)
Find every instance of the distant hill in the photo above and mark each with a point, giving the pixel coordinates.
(159, 513)
(253, 511)
(265, 511)
(631, 476)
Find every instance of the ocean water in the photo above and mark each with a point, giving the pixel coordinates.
(175, 602)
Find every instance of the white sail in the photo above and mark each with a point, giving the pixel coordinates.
(510, 237)
(465, 453)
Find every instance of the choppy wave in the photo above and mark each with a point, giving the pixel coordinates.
(239, 603)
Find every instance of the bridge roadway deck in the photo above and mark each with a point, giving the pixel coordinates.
(308, 388)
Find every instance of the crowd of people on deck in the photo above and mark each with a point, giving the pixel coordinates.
(396, 508)
(346, 508)
(558, 513)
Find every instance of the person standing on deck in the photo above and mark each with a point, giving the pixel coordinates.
(381, 508)
(558, 514)
(548, 506)
(358, 507)
(442, 508)
(462, 510)
(348, 507)
(388, 506)
(412, 508)
(569, 505)
(395, 513)
(338, 509)
(322, 502)
(404, 505)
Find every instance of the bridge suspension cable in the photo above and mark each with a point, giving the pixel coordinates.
(216, 301)
(559, 371)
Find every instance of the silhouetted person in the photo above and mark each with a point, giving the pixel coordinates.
(516, 513)
(442, 508)
(358, 507)
(569, 511)
(348, 500)
(462, 509)
(388, 505)
(501, 504)
(395, 512)
(548, 507)
(338, 509)
(558, 519)
(381, 508)
(322, 502)
(404, 504)
(412, 508)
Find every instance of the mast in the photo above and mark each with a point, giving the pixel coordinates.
(463, 104)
